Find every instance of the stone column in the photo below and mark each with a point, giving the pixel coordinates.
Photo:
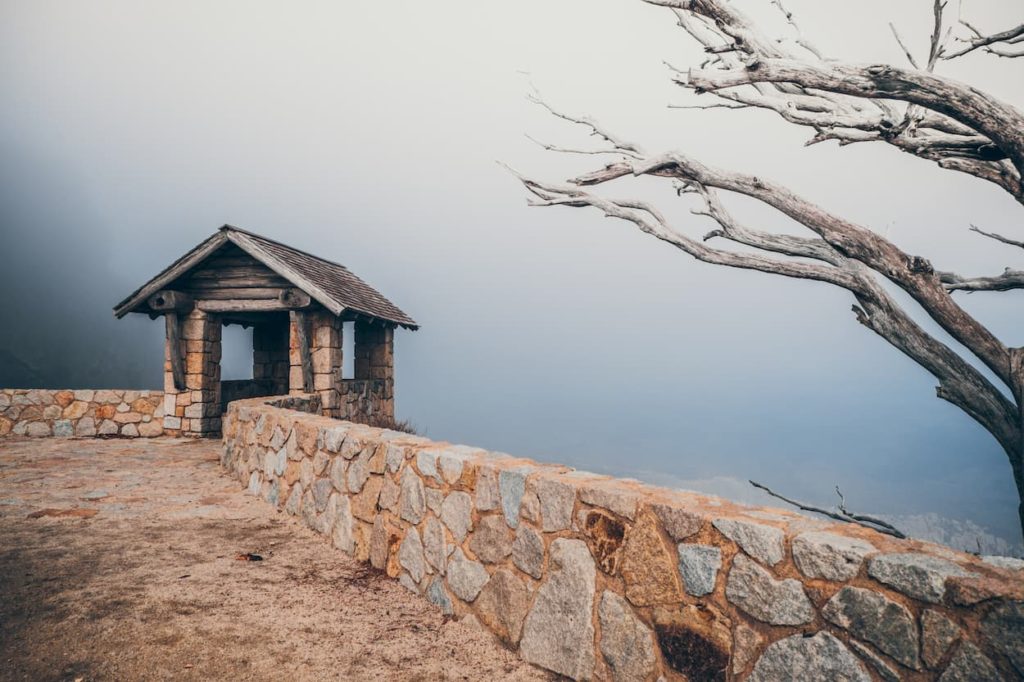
(195, 410)
(324, 334)
(375, 360)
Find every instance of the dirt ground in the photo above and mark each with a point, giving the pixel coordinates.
(118, 562)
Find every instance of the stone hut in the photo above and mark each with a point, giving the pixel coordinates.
(296, 304)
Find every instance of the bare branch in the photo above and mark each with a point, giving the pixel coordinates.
(874, 524)
(997, 237)
(903, 46)
(1009, 279)
(1009, 36)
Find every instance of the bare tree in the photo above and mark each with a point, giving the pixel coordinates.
(914, 109)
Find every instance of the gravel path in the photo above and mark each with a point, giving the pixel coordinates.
(118, 561)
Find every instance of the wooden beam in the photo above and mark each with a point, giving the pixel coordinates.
(174, 350)
(168, 300)
(238, 293)
(236, 305)
(302, 336)
(295, 298)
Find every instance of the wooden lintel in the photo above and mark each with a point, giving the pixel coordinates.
(239, 305)
(174, 349)
(168, 300)
(295, 298)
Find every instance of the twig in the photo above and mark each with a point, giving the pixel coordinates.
(858, 519)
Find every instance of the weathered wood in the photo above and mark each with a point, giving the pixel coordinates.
(173, 325)
(252, 282)
(238, 305)
(295, 298)
(305, 356)
(231, 272)
(238, 292)
(169, 300)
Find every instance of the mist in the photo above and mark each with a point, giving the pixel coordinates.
(369, 134)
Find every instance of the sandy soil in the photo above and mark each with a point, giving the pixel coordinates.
(118, 562)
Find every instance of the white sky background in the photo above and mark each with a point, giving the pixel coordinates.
(368, 133)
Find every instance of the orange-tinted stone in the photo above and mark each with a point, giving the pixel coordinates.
(647, 567)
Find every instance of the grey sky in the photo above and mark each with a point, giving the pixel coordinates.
(368, 133)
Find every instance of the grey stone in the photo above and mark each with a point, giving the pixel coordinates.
(937, 634)
(411, 502)
(883, 669)
(436, 595)
(320, 462)
(698, 565)
(466, 577)
(306, 472)
(281, 462)
(408, 583)
(528, 551)
(764, 543)
(338, 474)
(255, 481)
(332, 438)
(556, 504)
(873, 617)
(426, 462)
(85, 395)
(128, 430)
(611, 495)
(42, 429)
(410, 555)
(755, 591)
(558, 633)
(821, 658)
(278, 439)
(359, 471)
(294, 503)
(679, 523)
(970, 665)
(487, 496)
(434, 547)
(309, 509)
(321, 493)
(1007, 562)
(457, 514)
(626, 643)
(511, 486)
(389, 493)
(434, 499)
(393, 457)
(502, 605)
(916, 575)
(491, 541)
(829, 556)
(1003, 627)
(86, 427)
(350, 447)
(62, 428)
(450, 465)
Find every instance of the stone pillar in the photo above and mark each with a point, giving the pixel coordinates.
(375, 360)
(270, 361)
(195, 410)
(324, 334)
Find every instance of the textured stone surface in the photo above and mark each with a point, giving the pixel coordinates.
(1004, 562)
(436, 594)
(410, 555)
(821, 658)
(698, 566)
(556, 504)
(434, 546)
(605, 535)
(411, 499)
(487, 497)
(558, 633)
(611, 495)
(426, 462)
(884, 670)
(873, 617)
(679, 523)
(647, 566)
(764, 543)
(364, 504)
(389, 493)
(528, 551)
(970, 665)
(694, 641)
(755, 591)
(937, 634)
(457, 514)
(434, 499)
(916, 575)
(492, 540)
(502, 605)
(466, 577)
(746, 642)
(511, 486)
(626, 643)
(1003, 627)
(829, 556)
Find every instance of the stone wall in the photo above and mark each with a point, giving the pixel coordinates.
(83, 413)
(367, 401)
(601, 578)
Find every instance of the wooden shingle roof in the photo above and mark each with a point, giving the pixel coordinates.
(331, 284)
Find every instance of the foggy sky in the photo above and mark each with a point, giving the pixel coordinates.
(368, 133)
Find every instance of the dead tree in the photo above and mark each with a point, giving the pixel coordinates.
(914, 109)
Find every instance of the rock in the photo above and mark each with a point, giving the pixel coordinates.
(359, 471)
(873, 617)
(393, 457)
(529, 508)
(42, 430)
(511, 486)
(320, 462)
(450, 465)
(436, 595)
(694, 641)
(755, 591)
(411, 502)
(338, 474)
(342, 535)
(764, 543)
(107, 428)
(53, 412)
(558, 633)
(937, 634)
(626, 643)
(1003, 627)
(434, 499)
(6, 425)
(306, 472)
(86, 428)
(294, 504)
(746, 642)
(389, 493)
(408, 583)
(528, 551)
(384, 538)
(970, 665)
(556, 504)
(457, 514)
(883, 669)
(410, 555)
(648, 568)
(86, 396)
(321, 493)
(822, 658)
(678, 523)
(829, 556)
(434, 546)
(491, 542)
(332, 438)
(364, 505)
(426, 462)
(916, 575)
(605, 535)
(698, 566)
(466, 577)
(502, 605)
(1007, 562)
(76, 410)
(62, 428)
(151, 429)
(487, 496)
(611, 495)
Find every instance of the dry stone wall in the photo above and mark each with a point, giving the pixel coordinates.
(609, 579)
(81, 413)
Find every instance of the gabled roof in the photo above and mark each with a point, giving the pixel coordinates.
(330, 284)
